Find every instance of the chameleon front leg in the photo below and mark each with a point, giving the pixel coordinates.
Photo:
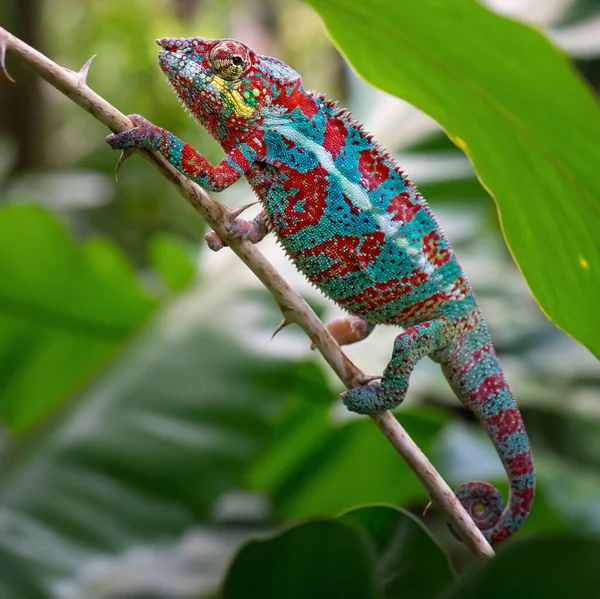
(410, 346)
(185, 158)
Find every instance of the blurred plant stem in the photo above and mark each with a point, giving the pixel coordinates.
(23, 113)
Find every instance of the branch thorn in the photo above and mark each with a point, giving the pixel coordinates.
(3, 61)
(237, 211)
(427, 508)
(83, 71)
(284, 323)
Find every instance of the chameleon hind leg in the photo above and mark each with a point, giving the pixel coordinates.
(253, 230)
(410, 346)
(348, 330)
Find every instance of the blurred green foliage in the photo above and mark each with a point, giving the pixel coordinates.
(150, 427)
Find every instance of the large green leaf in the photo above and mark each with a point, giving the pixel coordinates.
(375, 551)
(513, 103)
(318, 559)
(63, 311)
(410, 563)
(561, 566)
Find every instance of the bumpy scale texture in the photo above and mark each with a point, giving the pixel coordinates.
(357, 228)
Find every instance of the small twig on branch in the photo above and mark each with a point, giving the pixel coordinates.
(291, 304)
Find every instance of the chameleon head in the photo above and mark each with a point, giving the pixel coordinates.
(226, 86)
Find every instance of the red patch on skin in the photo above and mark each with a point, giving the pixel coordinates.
(476, 355)
(490, 387)
(426, 308)
(375, 296)
(526, 495)
(520, 464)
(349, 254)
(189, 160)
(414, 280)
(385, 292)
(241, 160)
(370, 247)
(307, 206)
(434, 249)
(289, 144)
(481, 352)
(422, 309)
(402, 208)
(305, 102)
(372, 168)
(506, 422)
(353, 209)
(335, 135)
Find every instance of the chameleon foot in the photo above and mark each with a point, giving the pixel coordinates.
(240, 229)
(141, 136)
(376, 397)
(364, 400)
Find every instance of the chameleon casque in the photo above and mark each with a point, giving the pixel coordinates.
(352, 222)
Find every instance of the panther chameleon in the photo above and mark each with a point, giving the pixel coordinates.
(357, 228)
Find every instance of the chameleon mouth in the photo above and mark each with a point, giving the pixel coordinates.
(177, 64)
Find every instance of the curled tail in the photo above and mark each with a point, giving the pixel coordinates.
(476, 377)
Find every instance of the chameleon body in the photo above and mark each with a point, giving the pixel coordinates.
(357, 228)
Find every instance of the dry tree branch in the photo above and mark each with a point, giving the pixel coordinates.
(291, 304)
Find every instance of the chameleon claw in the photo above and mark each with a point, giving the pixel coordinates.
(83, 71)
(237, 211)
(3, 61)
(426, 509)
(284, 323)
(125, 154)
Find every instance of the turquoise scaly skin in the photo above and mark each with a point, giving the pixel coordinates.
(357, 228)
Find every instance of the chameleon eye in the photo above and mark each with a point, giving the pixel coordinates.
(229, 59)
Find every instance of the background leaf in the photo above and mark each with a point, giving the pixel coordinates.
(311, 461)
(153, 448)
(410, 563)
(318, 559)
(63, 310)
(560, 566)
(534, 140)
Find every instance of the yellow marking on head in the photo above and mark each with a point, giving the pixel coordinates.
(255, 92)
(460, 143)
(239, 106)
(584, 263)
